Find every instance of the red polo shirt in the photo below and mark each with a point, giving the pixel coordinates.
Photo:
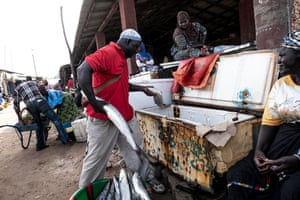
(108, 62)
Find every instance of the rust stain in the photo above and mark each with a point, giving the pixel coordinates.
(177, 146)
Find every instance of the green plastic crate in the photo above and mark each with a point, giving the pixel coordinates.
(90, 191)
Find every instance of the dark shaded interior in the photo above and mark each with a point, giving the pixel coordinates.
(156, 21)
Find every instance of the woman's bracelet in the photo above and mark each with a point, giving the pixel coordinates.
(297, 156)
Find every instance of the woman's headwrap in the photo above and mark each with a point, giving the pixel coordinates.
(183, 15)
(190, 32)
(144, 52)
(292, 40)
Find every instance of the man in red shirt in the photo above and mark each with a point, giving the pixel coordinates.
(106, 64)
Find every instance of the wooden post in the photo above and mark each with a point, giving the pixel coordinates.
(271, 21)
(128, 20)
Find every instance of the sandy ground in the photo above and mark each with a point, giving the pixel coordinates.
(27, 174)
(52, 173)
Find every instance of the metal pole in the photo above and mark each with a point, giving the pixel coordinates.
(34, 63)
(68, 46)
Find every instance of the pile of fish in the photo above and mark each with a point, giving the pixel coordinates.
(124, 188)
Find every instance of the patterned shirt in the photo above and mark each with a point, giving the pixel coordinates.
(26, 91)
(283, 104)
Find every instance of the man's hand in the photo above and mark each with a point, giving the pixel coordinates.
(149, 92)
(98, 105)
(150, 62)
(84, 101)
(204, 51)
(158, 99)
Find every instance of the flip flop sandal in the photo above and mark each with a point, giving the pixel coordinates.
(157, 186)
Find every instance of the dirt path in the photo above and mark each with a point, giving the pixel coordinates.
(26, 174)
(49, 174)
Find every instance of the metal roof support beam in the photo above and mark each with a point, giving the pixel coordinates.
(100, 39)
(109, 15)
(104, 23)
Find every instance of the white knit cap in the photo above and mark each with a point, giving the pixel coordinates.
(131, 34)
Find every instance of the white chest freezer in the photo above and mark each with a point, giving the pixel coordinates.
(206, 131)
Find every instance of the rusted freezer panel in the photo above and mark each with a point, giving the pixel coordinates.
(177, 142)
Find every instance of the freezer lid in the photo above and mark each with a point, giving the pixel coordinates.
(240, 82)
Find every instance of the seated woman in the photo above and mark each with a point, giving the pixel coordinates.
(189, 38)
(272, 171)
(144, 59)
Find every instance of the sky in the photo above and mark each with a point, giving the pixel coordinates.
(31, 35)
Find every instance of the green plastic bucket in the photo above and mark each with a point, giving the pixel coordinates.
(90, 191)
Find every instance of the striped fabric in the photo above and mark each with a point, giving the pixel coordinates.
(292, 40)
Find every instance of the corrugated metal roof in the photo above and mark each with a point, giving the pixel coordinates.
(8, 71)
(156, 21)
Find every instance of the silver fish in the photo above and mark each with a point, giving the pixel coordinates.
(117, 119)
(115, 116)
(134, 195)
(158, 99)
(124, 185)
(117, 188)
(105, 191)
(139, 187)
(111, 193)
